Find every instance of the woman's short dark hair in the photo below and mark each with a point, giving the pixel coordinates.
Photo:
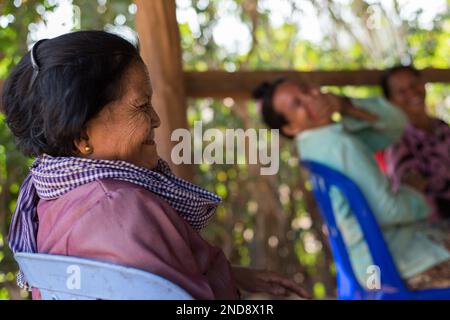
(79, 73)
(264, 93)
(388, 73)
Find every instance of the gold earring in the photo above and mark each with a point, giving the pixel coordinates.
(88, 149)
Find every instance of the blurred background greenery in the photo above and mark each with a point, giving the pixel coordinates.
(265, 221)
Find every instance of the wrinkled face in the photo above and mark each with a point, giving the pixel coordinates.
(124, 129)
(407, 91)
(296, 104)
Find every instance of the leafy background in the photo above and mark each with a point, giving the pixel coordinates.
(265, 221)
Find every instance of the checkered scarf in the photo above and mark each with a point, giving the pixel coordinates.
(52, 177)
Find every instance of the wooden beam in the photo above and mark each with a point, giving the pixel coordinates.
(221, 84)
(159, 37)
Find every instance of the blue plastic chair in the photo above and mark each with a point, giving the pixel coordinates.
(392, 285)
(70, 278)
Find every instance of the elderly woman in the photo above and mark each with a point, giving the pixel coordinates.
(81, 104)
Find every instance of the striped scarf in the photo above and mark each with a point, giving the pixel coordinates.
(51, 177)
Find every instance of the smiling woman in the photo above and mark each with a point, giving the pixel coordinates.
(81, 104)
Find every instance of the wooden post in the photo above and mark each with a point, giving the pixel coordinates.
(159, 37)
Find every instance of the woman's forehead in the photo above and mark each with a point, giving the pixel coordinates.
(283, 95)
(289, 89)
(138, 83)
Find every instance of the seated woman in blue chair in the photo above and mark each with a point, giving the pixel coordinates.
(343, 134)
(81, 104)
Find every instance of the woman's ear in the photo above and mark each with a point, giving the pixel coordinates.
(82, 144)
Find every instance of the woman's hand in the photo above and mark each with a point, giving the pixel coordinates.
(415, 180)
(321, 106)
(350, 110)
(252, 280)
(324, 105)
(331, 103)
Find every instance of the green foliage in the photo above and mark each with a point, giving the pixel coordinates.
(263, 222)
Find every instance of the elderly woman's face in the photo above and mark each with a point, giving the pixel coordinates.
(124, 129)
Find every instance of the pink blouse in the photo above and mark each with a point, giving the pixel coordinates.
(427, 154)
(119, 222)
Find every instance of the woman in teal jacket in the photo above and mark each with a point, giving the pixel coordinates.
(343, 134)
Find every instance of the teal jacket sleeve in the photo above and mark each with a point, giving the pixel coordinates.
(404, 206)
(383, 132)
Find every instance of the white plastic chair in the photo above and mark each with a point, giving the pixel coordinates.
(69, 278)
